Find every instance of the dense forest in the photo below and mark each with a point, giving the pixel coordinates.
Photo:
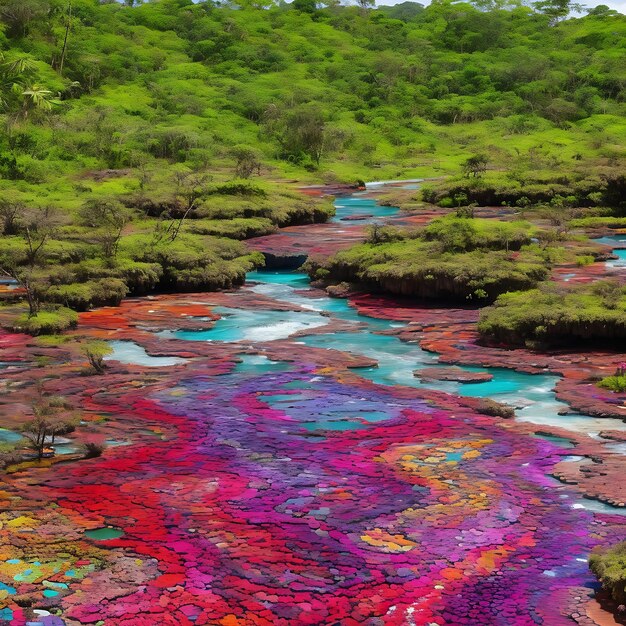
(143, 141)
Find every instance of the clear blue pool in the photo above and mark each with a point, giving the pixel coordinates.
(357, 204)
(130, 352)
(532, 395)
(615, 240)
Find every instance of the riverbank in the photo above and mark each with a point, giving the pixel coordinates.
(273, 415)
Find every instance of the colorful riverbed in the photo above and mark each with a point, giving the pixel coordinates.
(288, 468)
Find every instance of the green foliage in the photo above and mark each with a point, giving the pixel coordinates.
(584, 259)
(456, 258)
(82, 296)
(555, 314)
(599, 222)
(609, 565)
(48, 322)
(130, 123)
(476, 165)
(457, 234)
(614, 383)
(95, 351)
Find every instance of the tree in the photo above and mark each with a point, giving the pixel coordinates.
(556, 10)
(37, 228)
(303, 134)
(190, 188)
(476, 165)
(40, 225)
(109, 217)
(247, 161)
(18, 14)
(52, 416)
(95, 351)
(14, 71)
(364, 5)
(10, 212)
(305, 6)
(68, 26)
(36, 98)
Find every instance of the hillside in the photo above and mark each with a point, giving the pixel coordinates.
(129, 129)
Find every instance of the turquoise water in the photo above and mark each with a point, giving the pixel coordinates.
(8, 436)
(357, 204)
(621, 259)
(129, 352)
(532, 395)
(256, 325)
(615, 240)
(611, 240)
(258, 364)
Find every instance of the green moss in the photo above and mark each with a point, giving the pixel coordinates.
(82, 296)
(238, 228)
(609, 565)
(456, 258)
(555, 314)
(48, 322)
(599, 222)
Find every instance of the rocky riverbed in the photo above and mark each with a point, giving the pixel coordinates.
(272, 459)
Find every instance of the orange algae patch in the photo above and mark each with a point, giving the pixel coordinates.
(379, 538)
(450, 573)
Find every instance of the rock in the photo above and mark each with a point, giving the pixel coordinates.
(455, 374)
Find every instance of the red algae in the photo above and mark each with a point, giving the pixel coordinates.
(296, 491)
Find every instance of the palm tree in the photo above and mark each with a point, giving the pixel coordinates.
(12, 73)
(36, 98)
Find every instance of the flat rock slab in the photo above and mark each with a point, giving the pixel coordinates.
(455, 374)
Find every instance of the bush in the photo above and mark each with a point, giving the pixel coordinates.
(552, 314)
(83, 296)
(46, 322)
(92, 450)
(584, 259)
(614, 383)
(96, 351)
(239, 188)
(609, 565)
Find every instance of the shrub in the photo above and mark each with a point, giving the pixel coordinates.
(584, 259)
(239, 188)
(552, 314)
(92, 450)
(95, 351)
(609, 565)
(48, 322)
(614, 383)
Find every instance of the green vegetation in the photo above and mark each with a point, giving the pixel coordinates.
(599, 222)
(95, 351)
(52, 416)
(609, 565)
(143, 143)
(46, 322)
(553, 314)
(454, 258)
(614, 383)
